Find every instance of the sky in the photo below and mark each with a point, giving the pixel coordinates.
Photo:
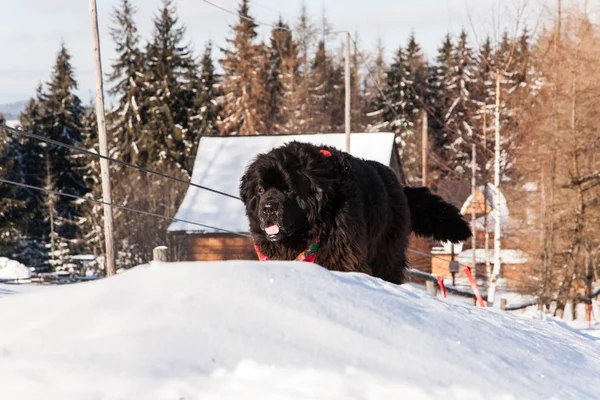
(31, 30)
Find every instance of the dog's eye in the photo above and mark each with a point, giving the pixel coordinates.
(260, 190)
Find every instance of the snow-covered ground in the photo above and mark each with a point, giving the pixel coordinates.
(249, 330)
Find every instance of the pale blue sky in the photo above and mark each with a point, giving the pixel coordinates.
(31, 30)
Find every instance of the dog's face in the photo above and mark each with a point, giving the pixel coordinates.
(281, 198)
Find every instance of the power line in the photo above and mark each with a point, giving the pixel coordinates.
(126, 164)
(232, 12)
(119, 206)
(245, 17)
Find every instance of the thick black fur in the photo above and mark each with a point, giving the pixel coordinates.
(360, 209)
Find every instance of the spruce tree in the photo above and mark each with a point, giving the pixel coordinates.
(417, 70)
(460, 114)
(8, 204)
(326, 92)
(375, 82)
(245, 97)
(306, 32)
(358, 95)
(128, 117)
(440, 99)
(93, 221)
(205, 121)
(279, 37)
(26, 157)
(483, 98)
(168, 66)
(62, 121)
(392, 104)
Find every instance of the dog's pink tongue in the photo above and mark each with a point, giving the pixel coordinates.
(272, 230)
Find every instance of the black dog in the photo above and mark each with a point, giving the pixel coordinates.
(300, 194)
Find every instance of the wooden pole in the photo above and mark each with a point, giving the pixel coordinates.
(159, 254)
(347, 91)
(474, 210)
(104, 168)
(424, 148)
(431, 288)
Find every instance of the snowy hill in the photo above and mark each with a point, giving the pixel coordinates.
(12, 111)
(249, 330)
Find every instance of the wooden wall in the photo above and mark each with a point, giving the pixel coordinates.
(218, 247)
(418, 261)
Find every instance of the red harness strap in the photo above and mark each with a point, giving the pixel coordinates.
(308, 255)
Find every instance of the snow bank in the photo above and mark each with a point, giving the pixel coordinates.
(13, 270)
(233, 330)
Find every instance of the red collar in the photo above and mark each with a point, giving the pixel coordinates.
(308, 255)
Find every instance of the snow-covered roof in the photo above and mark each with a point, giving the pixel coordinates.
(507, 256)
(220, 164)
(490, 197)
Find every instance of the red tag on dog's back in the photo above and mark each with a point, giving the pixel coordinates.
(325, 153)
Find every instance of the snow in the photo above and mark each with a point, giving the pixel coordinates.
(507, 256)
(13, 270)
(277, 330)
(220, 164)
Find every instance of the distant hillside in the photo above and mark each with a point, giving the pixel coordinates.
(12, 110)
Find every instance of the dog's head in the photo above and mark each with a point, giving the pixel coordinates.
(282, 193)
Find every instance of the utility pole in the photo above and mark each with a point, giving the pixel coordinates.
(104, 168)
(425, 148)
(474, 210)
(347, 91)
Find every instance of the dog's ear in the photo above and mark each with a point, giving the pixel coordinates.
(246, 187)
(317, 192)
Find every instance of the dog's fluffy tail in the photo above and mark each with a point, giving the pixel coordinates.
(431, 216)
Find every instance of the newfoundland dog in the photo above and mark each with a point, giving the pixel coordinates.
(304, 200)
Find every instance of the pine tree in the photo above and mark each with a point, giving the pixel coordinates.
(168, 66)
(459, 117)
(326, 93)
(306, 32)
(206, 118)
(483, 98)
(441, 100)
(62, 121)
(93, 213)
(25, 156)
(375, 82)
(245, 98)
(358, 99)
(8, 204)
(284, 80)
(129, 115)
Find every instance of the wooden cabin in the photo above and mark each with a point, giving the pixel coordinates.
(512, 259)
(220, 163)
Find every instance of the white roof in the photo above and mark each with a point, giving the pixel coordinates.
(220, 164)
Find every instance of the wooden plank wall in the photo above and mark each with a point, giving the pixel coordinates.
(220, 247)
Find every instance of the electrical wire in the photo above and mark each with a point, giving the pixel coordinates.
(126, 164)
(119, 206)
